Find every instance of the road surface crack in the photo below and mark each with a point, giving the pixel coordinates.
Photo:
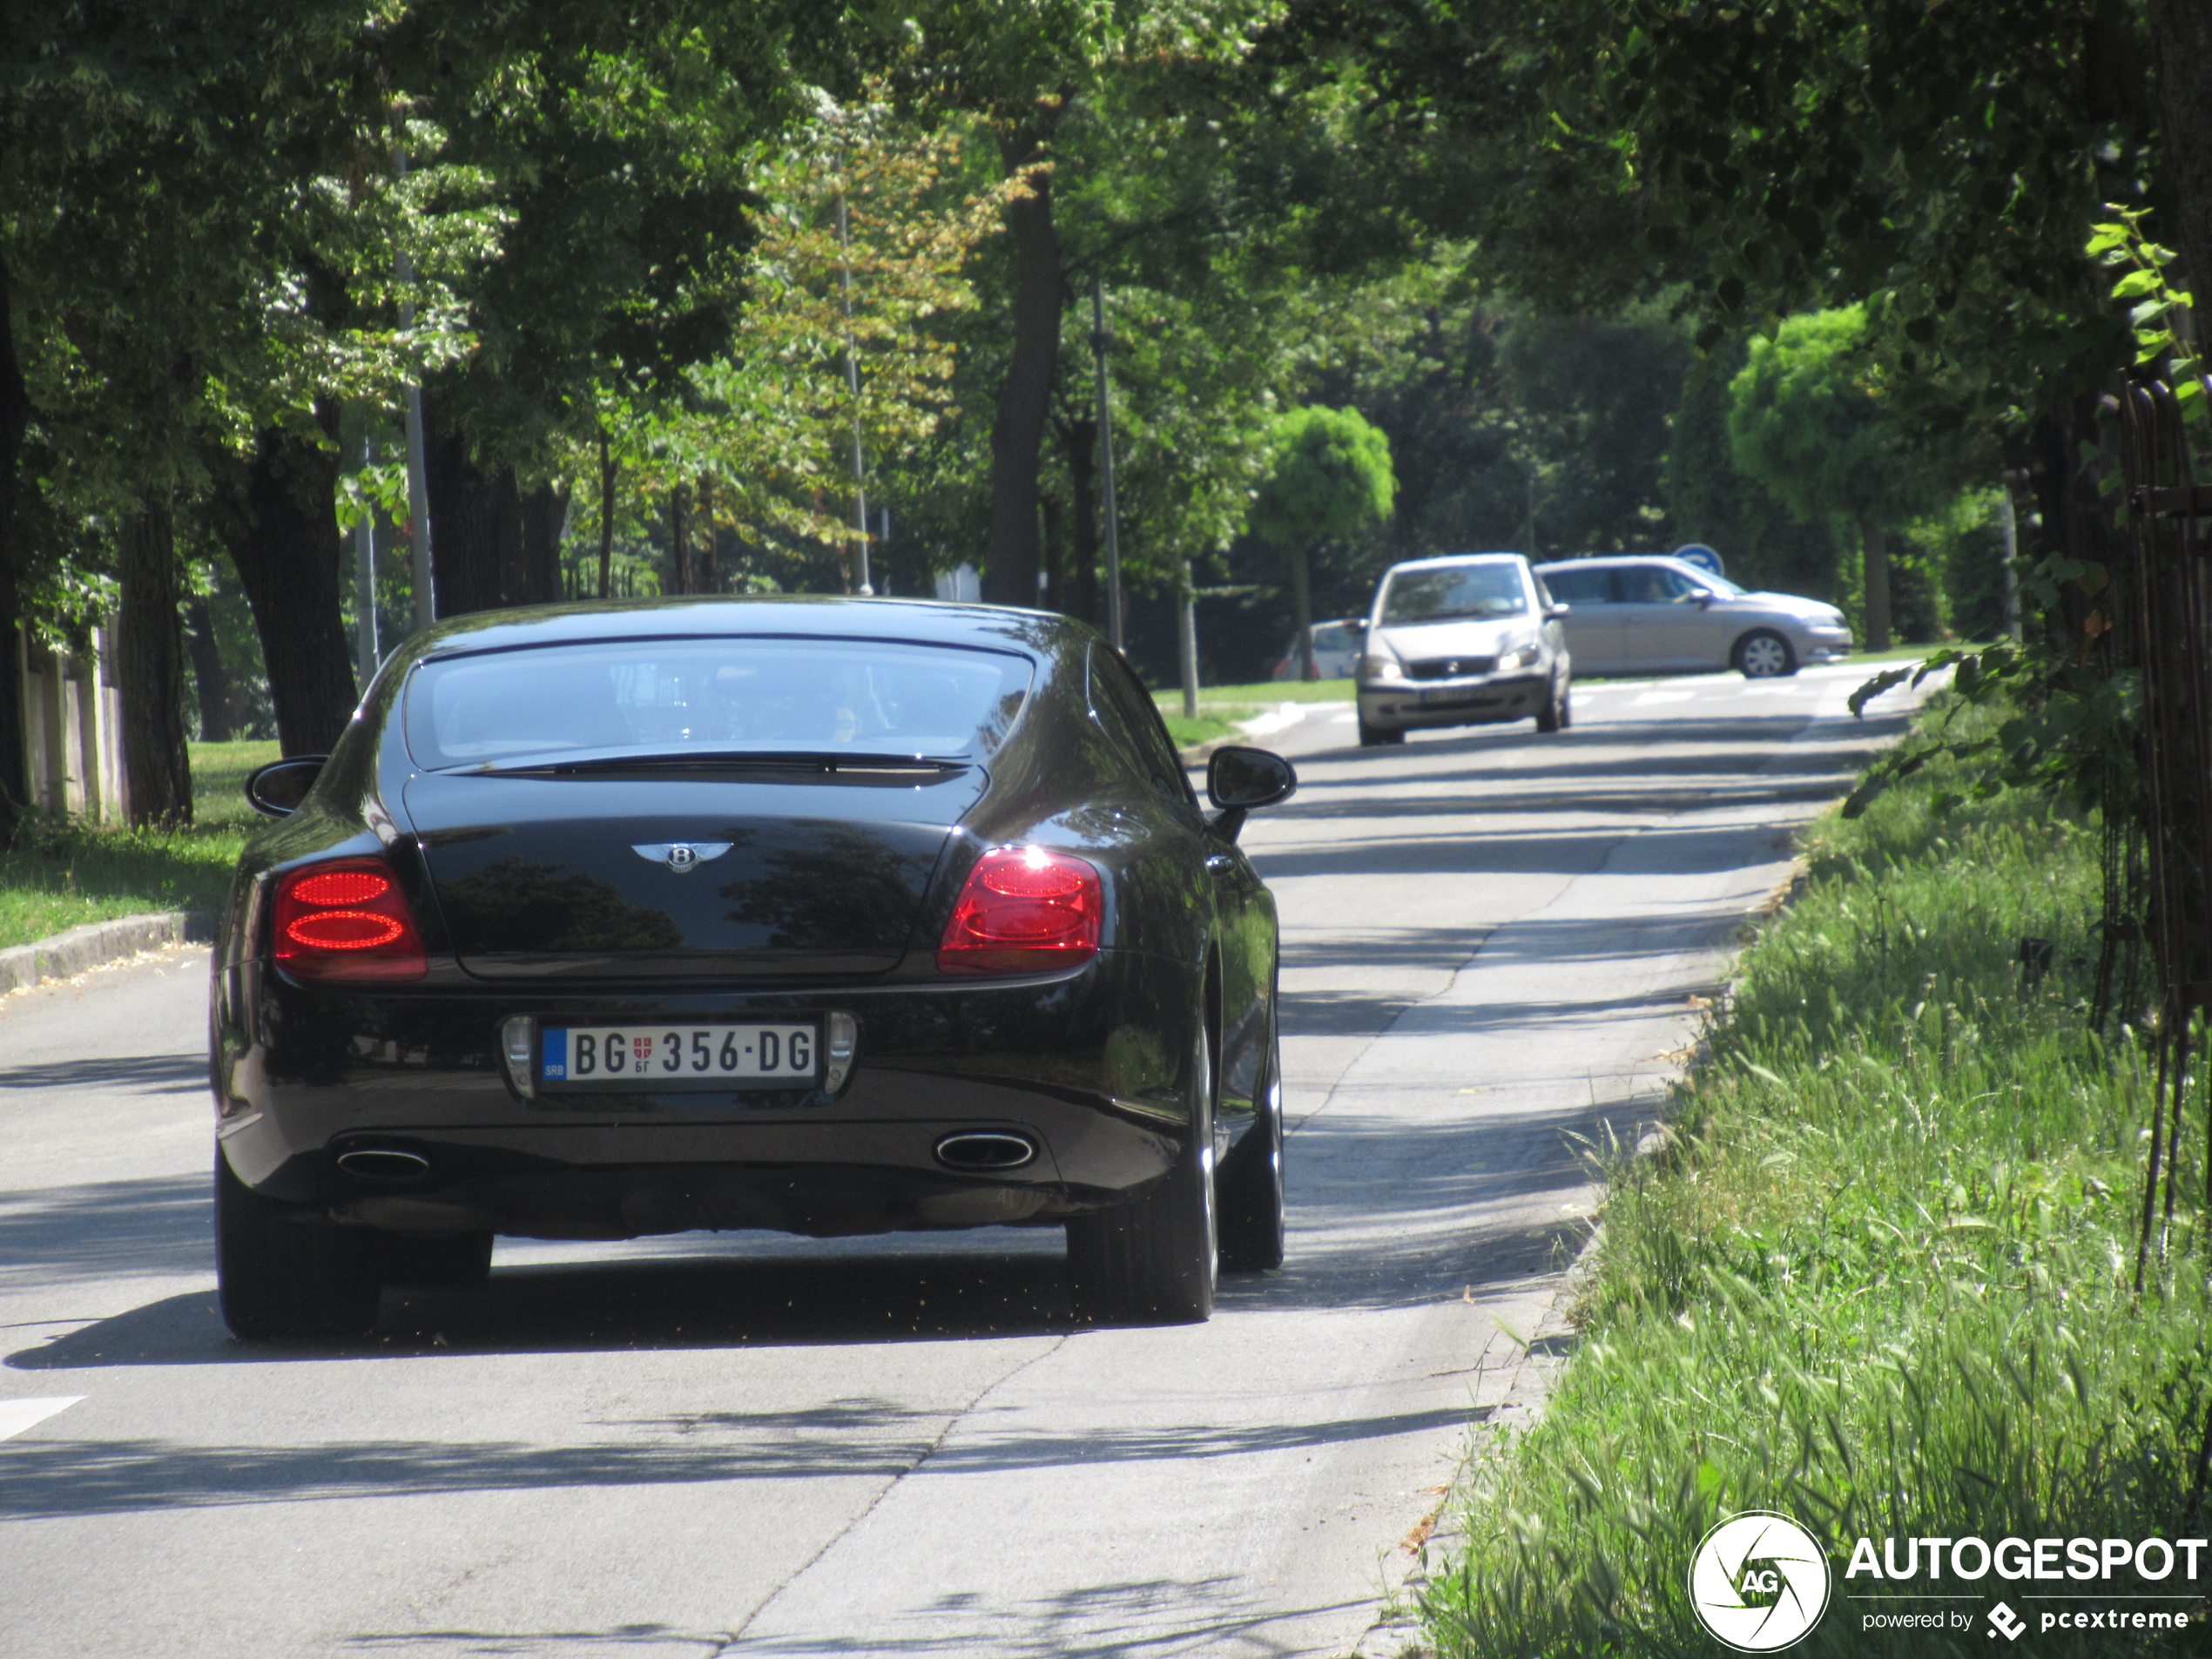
(953, 1420)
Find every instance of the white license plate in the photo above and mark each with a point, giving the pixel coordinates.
(676, 1057)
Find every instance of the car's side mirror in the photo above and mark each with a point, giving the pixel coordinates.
(278, 788)
(1556, 612)
(1241, 780)
(1704, 597)
(1356, 626)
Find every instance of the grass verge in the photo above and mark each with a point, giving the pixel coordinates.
(1267, 693)
(54, 877)
(1880, 1280)
(1215, 721)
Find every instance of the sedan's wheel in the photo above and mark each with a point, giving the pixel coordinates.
(1156, 1259)
(1251, 1181)
(1558, 712)
(280, 1272)
(1375, 737)
(408, 1258)
(1763, 655)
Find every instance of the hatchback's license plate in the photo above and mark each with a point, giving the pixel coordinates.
(679, 1056)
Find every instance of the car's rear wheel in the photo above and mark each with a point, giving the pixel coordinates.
(1156, 1259)
(1558, 712)
(410, 1258)
(1375, 737)
(1251, 1181)
(284, 1273)
(1764, 654)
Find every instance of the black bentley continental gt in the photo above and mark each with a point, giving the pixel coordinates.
(834, 916)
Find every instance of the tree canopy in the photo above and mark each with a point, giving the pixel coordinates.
(1329, 477)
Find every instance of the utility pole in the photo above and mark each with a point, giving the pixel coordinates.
(418, 480)
(1101, 343)
(365, 652)
(861, 585)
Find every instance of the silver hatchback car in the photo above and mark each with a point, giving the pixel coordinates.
(1472, 639)
(1643, 613)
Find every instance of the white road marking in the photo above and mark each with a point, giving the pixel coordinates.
(16, 1415)
(1663, 696)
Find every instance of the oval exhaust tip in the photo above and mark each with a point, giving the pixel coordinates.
(985, 1150)
(383, 1164)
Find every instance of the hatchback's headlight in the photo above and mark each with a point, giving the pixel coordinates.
(1381, 668)
(1525, 657)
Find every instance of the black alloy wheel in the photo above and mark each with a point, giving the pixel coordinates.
(281, 1272)
(1154, 1260)
(1375, 737)
(413, 1258)
(1763, 654)
(1249, 1184)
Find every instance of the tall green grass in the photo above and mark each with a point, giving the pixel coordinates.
(1879, 1279)
(58, 875)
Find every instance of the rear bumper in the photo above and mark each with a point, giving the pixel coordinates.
(1404, 705)
(1088, 1069)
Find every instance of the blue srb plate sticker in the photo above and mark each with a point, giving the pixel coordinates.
(556, 1054)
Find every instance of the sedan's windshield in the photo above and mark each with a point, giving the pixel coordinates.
(1454, 591)
(686, 696)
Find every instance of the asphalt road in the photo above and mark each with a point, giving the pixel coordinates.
(754, 1446)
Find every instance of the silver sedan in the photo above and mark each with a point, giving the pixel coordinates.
(1642, 613)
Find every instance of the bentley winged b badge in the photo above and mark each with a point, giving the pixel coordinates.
(681, 856)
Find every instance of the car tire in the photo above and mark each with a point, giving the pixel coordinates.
(1250, 1184)
(1375, 737)
(1763, 654)
(282, 1271)
(1558, 712)
(412, 1258)
(1154, 1260)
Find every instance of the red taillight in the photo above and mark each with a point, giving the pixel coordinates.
(1024, 910)
(346, 921)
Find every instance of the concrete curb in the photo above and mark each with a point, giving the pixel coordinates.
(98, 943)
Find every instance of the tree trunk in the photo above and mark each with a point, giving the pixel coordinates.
(1877, 585)
(478, 516)
(710, 565)
(15, 421)
(209, 676)
(1052, 593)
(606, 514)
(1079, 441)
(545, 510)
(1017, 432)
(150, 668)
(290, 557)
(1302, 603)
(2183, 31)
(679, 537)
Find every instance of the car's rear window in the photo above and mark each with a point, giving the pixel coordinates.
(1455, 590)
(726, 696)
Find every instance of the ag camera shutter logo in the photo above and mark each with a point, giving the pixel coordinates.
(1758, 1582)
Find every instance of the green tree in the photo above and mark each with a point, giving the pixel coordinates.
(1812, 422)
(1331, 478)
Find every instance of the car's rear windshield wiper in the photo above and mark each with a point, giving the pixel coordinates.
(792, 764)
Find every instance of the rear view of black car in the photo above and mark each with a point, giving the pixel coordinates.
(829, 916)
